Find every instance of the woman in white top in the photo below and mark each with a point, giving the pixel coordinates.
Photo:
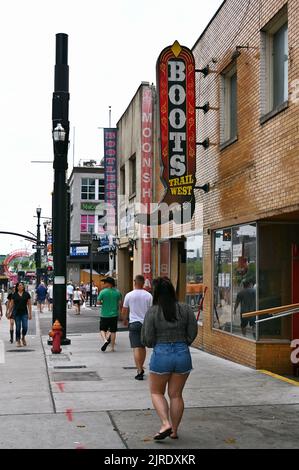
(77, 299)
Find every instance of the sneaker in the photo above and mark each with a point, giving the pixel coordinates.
(104, 347)
(140, 375)
(19, 344)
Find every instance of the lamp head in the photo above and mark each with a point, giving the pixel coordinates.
(235, 54)
(38, 211)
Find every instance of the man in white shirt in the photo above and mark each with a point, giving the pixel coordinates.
(136, 304)
(70, 293)
(50, 296)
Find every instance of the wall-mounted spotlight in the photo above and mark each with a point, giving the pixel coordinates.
(132, 244)
(205, 71)
(205, 188)
(205, 143)
(237, 51)
(205, 108)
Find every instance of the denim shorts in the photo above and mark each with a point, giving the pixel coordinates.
(170, 358)
(135, 334)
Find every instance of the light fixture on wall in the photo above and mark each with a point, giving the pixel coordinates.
(205, 143)
(205, 188)
(237, 51)
(132, 244)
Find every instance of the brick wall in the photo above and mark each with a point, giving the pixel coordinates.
(256, 176)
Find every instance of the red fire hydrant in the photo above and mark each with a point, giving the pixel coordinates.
(56, 334)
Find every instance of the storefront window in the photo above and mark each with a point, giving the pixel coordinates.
(244, 279)
(235, 279)
(194, 275)
(222, 280)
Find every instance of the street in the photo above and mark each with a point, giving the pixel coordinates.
(84, 398)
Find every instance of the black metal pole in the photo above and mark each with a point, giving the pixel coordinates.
(38, 251)
(60, 110)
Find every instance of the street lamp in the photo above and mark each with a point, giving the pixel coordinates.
(60, 134)
(38, 251)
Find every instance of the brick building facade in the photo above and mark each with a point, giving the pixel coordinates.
(251, 213)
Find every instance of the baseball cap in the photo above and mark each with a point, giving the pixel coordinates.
(109, 280)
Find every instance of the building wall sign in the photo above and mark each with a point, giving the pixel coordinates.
(146, 179)
(79, 251)
(110, 172)
(88, 206)
(176, 93)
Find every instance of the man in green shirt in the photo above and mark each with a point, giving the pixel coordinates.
(110, 300)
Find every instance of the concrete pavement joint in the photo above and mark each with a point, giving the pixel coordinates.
(115, 427)
(47, 369)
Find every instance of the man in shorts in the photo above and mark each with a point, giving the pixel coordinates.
(41, 293)
(110, 300)
(246, 298)
(136, 304)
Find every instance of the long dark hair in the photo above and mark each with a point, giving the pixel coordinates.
(164, 295)
(17, 287)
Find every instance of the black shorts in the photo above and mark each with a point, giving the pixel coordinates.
(76, 301)
(135, 334)
(109, 323)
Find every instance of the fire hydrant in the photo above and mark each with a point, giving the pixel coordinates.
(56, 334)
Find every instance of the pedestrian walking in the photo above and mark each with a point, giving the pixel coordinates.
(83, 290)
(110, 301)
(169, 328)
(9, 314)
(94, 293)
(136, 304)
(87, 290)
(70, 294)
(22, 311)
(41, 293)
(77, 299)
(50, 296)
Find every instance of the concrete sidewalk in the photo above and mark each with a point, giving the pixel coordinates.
(90, 399)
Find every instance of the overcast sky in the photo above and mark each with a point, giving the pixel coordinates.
(113, 46)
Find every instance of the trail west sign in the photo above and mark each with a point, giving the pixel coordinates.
(176, 90)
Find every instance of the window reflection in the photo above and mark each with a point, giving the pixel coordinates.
(194, 276)
(244, 279)
(222, 280)
(235, 279)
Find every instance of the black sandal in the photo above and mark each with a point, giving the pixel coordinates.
(163, 434)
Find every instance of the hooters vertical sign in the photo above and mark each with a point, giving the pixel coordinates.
(176, 93)
(146, 179)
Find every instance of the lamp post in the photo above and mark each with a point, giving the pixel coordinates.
(60, 132)
(38, 251)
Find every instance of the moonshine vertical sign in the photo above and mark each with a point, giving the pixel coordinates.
(110, 169)
(146, 180)
(176, 94)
